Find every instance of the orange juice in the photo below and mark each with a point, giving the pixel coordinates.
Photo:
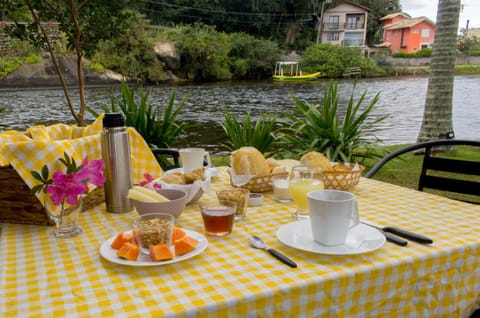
(300, 187)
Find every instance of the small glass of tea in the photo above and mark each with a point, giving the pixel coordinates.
(218, 218)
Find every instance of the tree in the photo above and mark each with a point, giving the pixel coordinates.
(84, 22)
(437, 117)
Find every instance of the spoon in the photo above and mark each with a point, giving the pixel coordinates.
(257, 242)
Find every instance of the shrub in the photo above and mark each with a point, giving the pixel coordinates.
(96, 67)
(318, 127)
(32, 59)
(250, 57)
(204, 53)
(240, 134)
(333, 60)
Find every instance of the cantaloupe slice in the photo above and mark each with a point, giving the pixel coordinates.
(177, 234)
(160, 252)
(185, 245)
(128, 251)
(121, 238)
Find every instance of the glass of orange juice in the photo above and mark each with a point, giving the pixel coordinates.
(303, 179)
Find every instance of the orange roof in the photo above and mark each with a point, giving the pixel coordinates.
(396, 14)
(408, 23)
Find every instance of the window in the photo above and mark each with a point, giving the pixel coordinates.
(425, 33)
(415, 31)
(333, 22)
(354, 39)
(351, 23)
(333, 36)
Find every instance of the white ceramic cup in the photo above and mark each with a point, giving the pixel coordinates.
(332, 214)
(192, 158)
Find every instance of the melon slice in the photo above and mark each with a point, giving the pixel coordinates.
(160, 252)
(128, 251)
(185, 245)
(177, 234)
(121, 238)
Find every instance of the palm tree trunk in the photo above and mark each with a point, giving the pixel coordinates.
(437, 117)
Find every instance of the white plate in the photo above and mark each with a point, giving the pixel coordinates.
(144, 260)
(361, 239)
(210, 171)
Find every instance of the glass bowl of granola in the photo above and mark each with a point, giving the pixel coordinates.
(153, 229)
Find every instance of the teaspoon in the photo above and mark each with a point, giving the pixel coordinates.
(257, 242)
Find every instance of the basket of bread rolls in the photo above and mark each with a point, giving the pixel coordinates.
(251, 170)
(336, 175)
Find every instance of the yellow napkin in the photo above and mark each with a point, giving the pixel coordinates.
(47, 145)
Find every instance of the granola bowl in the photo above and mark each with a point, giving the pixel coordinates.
(153, 229)
(175, 205)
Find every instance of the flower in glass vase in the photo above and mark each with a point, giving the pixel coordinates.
(66, 190)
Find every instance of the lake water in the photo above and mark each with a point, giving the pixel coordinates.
(402, 99)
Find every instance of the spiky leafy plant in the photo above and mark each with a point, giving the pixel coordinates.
(259, 135)
(157, 132)
(318, 127)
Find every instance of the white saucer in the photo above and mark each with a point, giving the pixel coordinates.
(144, 260)
(361, 239)
(210, 171)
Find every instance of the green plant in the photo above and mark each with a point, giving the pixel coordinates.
(260, 135)
(145, 118)
(318, 127)
(32, 59)
(8, 66)
(96, 67)
(333, 60)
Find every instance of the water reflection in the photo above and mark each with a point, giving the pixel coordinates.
(402, 98)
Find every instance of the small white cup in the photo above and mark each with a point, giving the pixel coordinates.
(332, 214)
(192, 158)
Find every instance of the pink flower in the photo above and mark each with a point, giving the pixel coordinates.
(148, 178)
(66, 187)
(92, 172)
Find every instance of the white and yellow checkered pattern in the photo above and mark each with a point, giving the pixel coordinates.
(45, 145)
(44, 276)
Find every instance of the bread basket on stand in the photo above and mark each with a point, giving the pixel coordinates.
(256, 184)
(343, 179)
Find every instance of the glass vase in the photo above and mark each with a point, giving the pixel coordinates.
(65, 217)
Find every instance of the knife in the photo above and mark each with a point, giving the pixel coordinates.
(390, 237)
(408, 235)
(389, 230)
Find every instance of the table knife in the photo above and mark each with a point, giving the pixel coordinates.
(390, 237)
(408, 235)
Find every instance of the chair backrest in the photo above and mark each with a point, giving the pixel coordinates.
(165, 156)
(443, 173)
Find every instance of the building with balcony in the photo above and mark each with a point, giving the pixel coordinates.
(345, 24)
(401, 33)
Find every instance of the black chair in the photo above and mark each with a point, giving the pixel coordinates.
(168, 158)
(442, 173)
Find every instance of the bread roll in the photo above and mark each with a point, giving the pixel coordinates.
(316, 159)
(248, 160)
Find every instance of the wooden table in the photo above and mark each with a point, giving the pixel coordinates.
(44, 276)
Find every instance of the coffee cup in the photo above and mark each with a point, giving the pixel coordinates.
(332, 214)
(193, 158)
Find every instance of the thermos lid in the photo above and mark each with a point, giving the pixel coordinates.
(111, 120)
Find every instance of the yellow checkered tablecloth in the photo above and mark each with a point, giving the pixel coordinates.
(44, 276)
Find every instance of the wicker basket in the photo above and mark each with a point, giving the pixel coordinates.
(257, 184)
(343, 180)
(20, 205)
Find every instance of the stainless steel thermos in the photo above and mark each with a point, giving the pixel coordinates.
(118, 168)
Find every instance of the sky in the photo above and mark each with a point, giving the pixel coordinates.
(428, 8)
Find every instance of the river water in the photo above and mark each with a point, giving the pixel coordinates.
(402, 99)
